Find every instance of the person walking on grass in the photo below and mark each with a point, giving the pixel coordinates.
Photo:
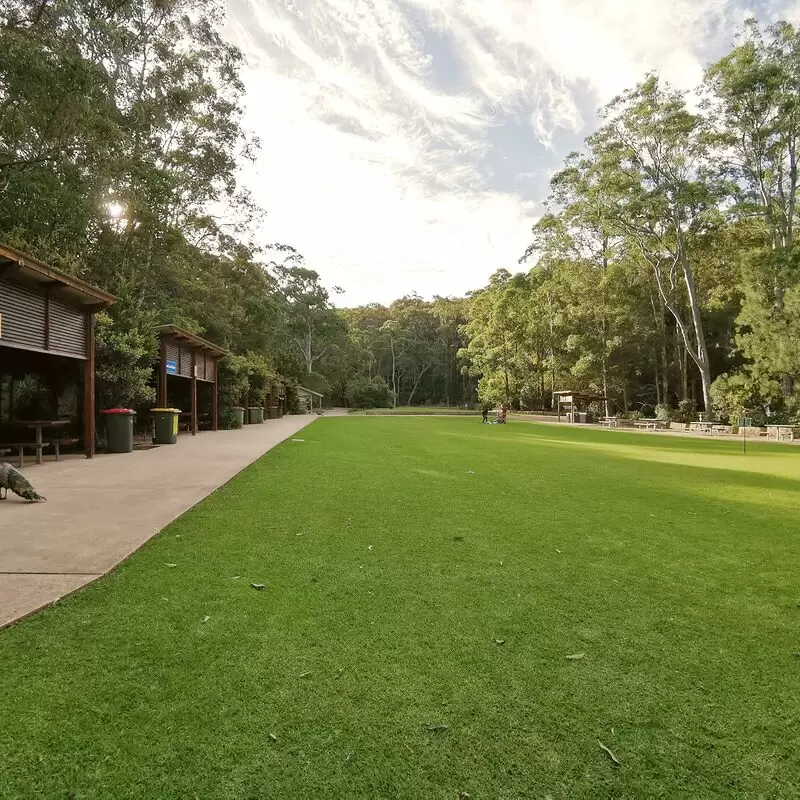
(485, 414)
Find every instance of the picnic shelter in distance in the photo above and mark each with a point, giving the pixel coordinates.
(575, 404)
(47, 355)
(188, 373)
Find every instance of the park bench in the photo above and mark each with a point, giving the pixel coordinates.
(781, 433)
(59, 443)
(20, 448)
(646, 424)
(609, 422)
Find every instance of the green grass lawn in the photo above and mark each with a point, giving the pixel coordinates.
(423, 573)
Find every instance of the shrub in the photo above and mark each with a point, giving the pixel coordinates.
(686, 412)
(368, 393)
(663, 412)
(734, 396)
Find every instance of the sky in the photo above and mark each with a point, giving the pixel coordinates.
(407, 145)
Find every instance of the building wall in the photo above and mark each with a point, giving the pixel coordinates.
(31, 320)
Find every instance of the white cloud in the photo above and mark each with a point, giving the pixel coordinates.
(380, 176)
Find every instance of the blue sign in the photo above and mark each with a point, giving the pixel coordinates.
(172, 367)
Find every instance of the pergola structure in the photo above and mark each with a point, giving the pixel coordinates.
(575, 402)
(47, 326)
(310, 394)
(186, 356)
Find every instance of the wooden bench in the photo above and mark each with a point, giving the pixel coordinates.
(609, 422)
(58, 443)
(20, 448)
(646, 425)
(781, 433)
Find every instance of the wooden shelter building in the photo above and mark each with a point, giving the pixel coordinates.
(575, 404)
(47, 326)
(188, 358)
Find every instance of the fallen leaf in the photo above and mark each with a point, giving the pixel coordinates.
(236, 577)
(575, 657)
(304, 674)
(258, 586)
(470, 472)
(273, 737)
(172, 565)
(499, 641)
(298, 440)
(206, 618)
(458, 538)
(438, 728)
(557, 550)
(608, 752)
(370, 547)
(464, 796)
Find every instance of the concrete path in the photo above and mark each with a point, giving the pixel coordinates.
(99, 511)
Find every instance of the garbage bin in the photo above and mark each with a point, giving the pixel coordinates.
(272, 412)
(166, 427)
(238, 416)
(261, 413)
(252, 415)
(582, 417)
(119, 429)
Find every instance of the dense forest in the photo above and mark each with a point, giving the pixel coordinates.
(663, 275)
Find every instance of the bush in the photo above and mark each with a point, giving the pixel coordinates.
(127, 352)
(368, 393)
(734, 396)
(229, 419)
(664, 413)
(686, 412)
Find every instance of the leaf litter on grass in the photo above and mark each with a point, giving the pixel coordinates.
(610, 754)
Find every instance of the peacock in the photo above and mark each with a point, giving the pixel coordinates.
(12, 478)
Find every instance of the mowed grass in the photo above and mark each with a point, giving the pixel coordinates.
(423, 573)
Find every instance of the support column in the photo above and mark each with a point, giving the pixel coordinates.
(215, 397)
(88, 389)
(162, 375)
(194, 393)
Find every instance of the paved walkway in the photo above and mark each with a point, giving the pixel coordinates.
(100, 511)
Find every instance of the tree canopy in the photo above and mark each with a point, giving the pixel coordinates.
(664, 272)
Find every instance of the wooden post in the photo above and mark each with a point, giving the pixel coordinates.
(88, 388)
(194, 393)
(215, 397)
(162, 375)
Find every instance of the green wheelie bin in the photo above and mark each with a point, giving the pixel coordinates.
(166, 427)
(119, 429)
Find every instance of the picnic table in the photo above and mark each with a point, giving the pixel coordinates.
(38, 426)
(645, 424)
(781, 432)
(701, 427)
(609, 422)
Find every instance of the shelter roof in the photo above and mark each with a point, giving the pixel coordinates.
(192, 340)
(36, 274)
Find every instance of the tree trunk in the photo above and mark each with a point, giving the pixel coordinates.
(416, 384)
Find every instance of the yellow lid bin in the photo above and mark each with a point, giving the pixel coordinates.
(165, 430)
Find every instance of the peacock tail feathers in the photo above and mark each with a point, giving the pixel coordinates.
(12, 479)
